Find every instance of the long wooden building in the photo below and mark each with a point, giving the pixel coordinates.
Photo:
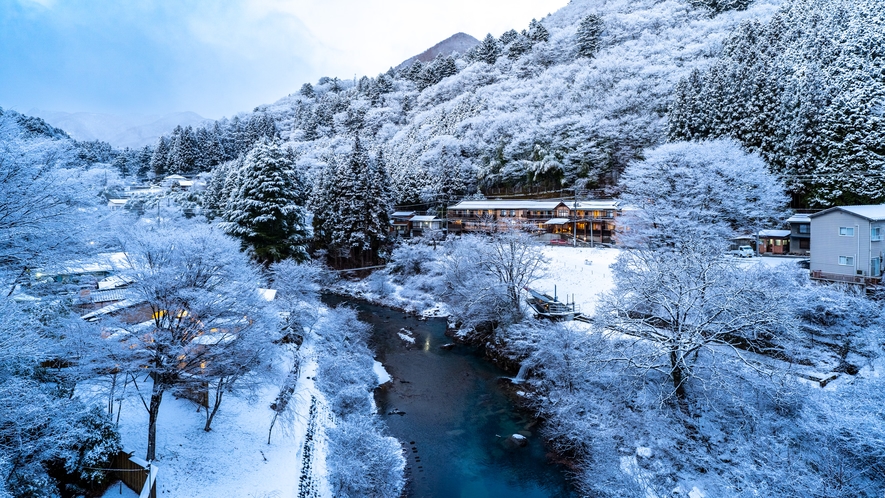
(593, 220)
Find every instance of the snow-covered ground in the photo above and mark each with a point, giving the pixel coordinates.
(233, 459)
(581, 274)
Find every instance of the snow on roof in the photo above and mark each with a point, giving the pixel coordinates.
(506, 204)
(113, 282)
(175, 177)
(104, 296)
(267, 294)
(425, 218)
(104, 262)
(874, 212)
(536, 204)
(117, 202)
(214, 338)
(557, 221)
(119, 305)
(799, 218)
(774, 233)
(186, 183)
(598, 204)
(402, 214)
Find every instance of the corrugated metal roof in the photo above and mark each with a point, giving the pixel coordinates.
(103, 296)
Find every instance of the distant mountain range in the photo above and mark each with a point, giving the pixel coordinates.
(459, 42)
(118, 130)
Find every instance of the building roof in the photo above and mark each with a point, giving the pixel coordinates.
(425, 218)
(774, 233)
(104, 296)
(557, 221)
(402, 214)
(598, 204)
(507, 204)
(874, 212)
(111, 308)
(799, 218)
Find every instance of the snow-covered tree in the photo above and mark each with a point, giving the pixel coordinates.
(207, 321)
(484, 276)
(673, 287)
(351, 205)
(488, 51)
(266, 209)
(587, 37)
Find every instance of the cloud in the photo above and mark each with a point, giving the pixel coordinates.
(217, 57)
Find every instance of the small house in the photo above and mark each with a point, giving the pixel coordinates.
(774, 242)
(800, 234)
(847, 244)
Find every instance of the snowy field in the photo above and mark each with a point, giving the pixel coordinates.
(581, 273)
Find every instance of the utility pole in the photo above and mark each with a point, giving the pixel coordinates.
(575, 211)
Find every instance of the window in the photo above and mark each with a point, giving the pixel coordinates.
(846, 260)
(804, 228)
(846, 231)
(876, 233)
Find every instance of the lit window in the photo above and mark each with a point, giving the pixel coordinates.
(876, 233)
(846, 231)
(846, 260)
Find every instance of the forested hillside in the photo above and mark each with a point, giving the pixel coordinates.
(569, 101)
(805, 90)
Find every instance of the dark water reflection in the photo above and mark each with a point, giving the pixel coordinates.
(457, 417)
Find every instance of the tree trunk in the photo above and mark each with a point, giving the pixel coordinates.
(677, 373)
(219, 393)
(153, 412)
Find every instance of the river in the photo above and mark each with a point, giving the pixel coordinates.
(455, 417)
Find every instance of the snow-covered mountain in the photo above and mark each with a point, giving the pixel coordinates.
(459, 42)
(132, 130)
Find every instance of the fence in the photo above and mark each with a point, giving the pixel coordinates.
(137, 474)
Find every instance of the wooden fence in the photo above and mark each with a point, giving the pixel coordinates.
(137, 474)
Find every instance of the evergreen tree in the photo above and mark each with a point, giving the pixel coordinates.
(307, 91)
(267, 209)
(158, 159)
(143, 163)
(413, 72)
(121, 162)
(488, 51)
(183, 152)
(351, 206)
(310, 127)
(719, 6)
(588, 35)
(518, 46)
(537, 33)
(508, 37)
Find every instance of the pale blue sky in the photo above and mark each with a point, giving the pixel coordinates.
(218, 57)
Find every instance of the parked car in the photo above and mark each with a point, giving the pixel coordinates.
(742, 252)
